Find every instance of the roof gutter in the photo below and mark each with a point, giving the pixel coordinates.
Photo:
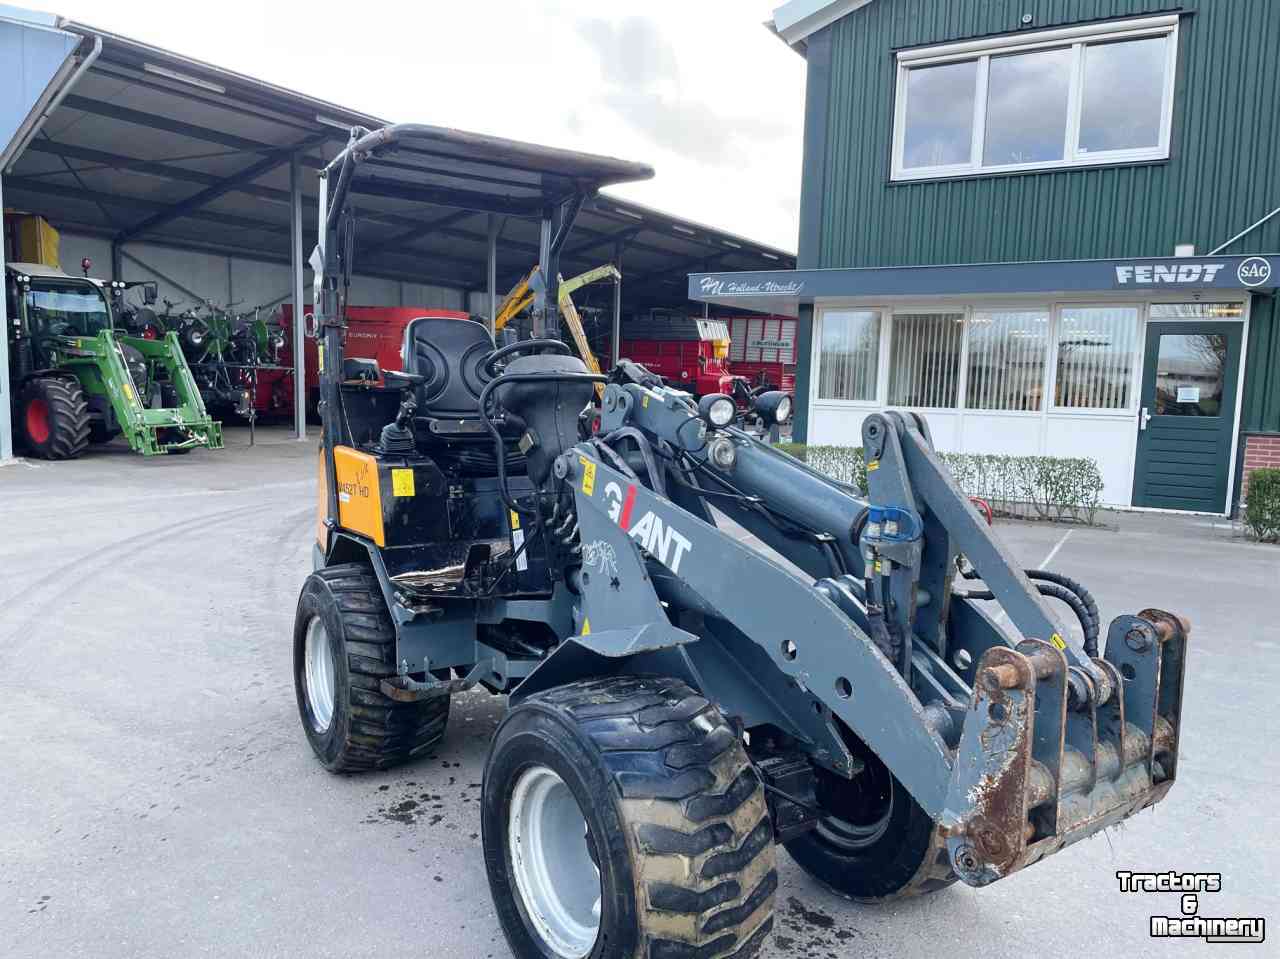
(63, 81)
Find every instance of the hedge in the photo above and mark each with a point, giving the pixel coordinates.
(1057, 488)
(1262, 509)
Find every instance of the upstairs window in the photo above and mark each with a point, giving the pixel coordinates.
(1077, 96)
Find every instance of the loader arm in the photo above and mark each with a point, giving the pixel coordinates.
(98, 362)
(1022, 746)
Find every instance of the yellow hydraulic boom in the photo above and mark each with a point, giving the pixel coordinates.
(521, 296)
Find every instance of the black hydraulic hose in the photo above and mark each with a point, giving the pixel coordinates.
(1074, 586)
(500, 448)
(1090, 621)
(656, 479)
(1054, 591)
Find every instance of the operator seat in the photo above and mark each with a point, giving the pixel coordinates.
(449, 352)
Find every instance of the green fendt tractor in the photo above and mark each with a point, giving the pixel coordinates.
(79, 375)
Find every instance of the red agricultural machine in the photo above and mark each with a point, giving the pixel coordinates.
(737, 355)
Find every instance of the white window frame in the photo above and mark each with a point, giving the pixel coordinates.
(1076, 38)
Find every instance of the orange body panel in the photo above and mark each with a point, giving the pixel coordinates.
(359, 493)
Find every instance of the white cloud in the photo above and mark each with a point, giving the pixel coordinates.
(700, 90)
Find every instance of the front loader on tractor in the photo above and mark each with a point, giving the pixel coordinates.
(682, 702)
(79, 377)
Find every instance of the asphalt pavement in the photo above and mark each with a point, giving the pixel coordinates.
(158, 798)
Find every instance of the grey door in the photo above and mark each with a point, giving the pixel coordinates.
(1187, 416)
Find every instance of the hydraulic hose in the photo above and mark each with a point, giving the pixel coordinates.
(500, 448)
(1076, 587)
(1053, 590)
(1081, 600)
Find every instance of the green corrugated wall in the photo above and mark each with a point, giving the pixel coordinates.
(1222, 175)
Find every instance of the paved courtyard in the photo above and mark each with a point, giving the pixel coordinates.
(158, 797)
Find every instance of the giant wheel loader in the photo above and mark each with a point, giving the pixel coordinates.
(680, 702)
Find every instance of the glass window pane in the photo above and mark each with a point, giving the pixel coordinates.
(924, 359)
(1006, 360)
(1189, 374)
(849, 355)
(1097, 349)
(939, 114)
(1123, 95)
(1197, 311)
(1027, 107)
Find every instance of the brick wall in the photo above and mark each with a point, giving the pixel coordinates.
(1260, 452)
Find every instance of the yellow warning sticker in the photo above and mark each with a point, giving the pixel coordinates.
(1058, 641)
(644, 403)
(586, 626)
(402, 482)
(515, 519)
(877, 567)
(319, 357)
(128, 392)
(588, 476)
(873, 466)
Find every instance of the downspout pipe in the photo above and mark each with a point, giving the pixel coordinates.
(35, 125)
(1243, 233)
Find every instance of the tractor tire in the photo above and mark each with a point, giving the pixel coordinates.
(344, 645)
(878, 844)
(99, 433)
(53, 418)
(622, 818)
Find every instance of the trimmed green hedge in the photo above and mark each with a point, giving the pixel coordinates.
(1262, 510)
(1057, 488)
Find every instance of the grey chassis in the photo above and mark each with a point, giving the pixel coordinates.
(681, 701)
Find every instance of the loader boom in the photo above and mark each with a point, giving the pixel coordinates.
(1015, 746)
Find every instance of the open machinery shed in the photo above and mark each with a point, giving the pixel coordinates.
(160, 167)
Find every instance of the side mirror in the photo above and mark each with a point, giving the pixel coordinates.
(150, 293)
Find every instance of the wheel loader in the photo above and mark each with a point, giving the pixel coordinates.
(680, 702)
(79, 376)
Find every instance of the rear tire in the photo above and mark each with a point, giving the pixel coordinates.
(53, 418)
(675, 821)
(344, 645)
(878, 844)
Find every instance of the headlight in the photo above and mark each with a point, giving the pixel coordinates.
(722, 452)
(717, 409)
(195, 336)
(774, 406)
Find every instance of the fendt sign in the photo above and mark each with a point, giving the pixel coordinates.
(1253, 271)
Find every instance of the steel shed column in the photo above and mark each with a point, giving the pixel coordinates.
(617, 304)
(493, 271)
(6, 402)
(299, 304)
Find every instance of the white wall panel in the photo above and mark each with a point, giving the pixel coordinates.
(222, 279)
(1000, 434)
(1109, 441)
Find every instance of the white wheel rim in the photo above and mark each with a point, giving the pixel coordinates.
(558, 882)
(320, 674)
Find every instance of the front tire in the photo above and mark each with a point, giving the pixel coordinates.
(53, 418)
(344, 645)
(877, 844)
(655, 840)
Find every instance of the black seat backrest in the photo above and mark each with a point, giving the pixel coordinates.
(450, 353)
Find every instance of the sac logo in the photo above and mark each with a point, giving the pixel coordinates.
(1254, 271)
(660, 539)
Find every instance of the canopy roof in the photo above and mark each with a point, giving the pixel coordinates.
(151, 146)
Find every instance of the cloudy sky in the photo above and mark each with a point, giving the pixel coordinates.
(696, 88)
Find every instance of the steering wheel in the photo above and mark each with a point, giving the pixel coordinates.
(523, 346)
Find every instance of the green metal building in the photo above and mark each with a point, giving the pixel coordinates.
(1048, 224)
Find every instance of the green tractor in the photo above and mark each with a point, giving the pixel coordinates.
(80, 374)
